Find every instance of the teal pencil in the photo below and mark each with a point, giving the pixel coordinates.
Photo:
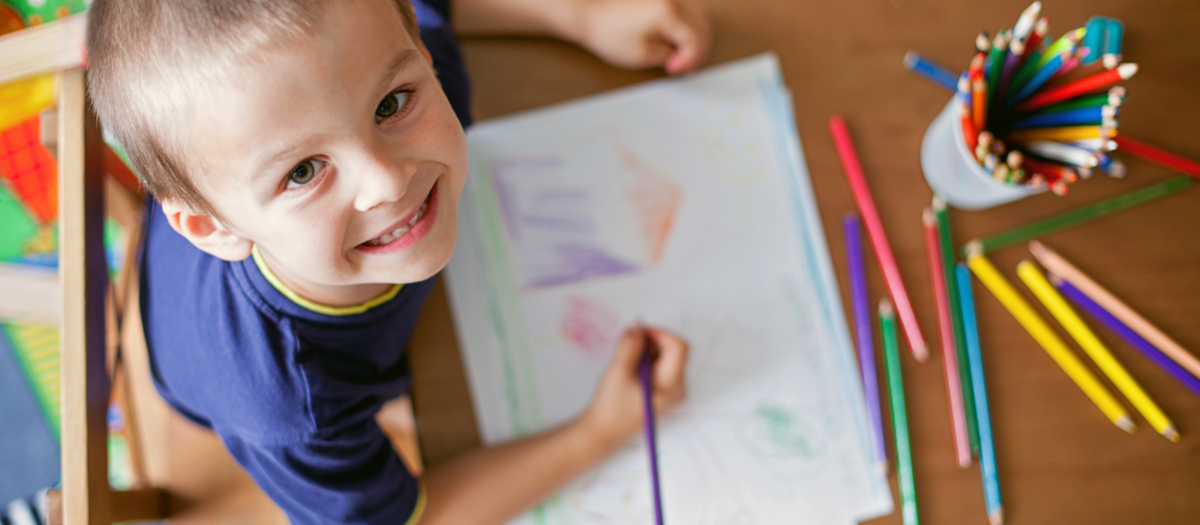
(904, 468)
(987, 448)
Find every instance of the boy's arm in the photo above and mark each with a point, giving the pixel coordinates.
(492, 485)
(634, 34)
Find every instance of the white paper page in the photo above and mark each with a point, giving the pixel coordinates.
(685, 202)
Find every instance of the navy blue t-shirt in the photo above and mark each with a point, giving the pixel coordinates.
(291, 389)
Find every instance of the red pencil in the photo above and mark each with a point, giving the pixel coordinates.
(970, 133)
(1158, 156)
(1079, 87)
(979, 98)
(962, 445)
(883, 250)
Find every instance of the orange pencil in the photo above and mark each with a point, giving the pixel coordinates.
(979, 98)
(883, 249)
(962, 444)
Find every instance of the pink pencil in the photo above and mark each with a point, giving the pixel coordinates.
(933, 249)
(883, 250)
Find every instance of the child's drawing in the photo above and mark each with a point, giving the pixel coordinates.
(734, 140)
(593, 210)
(590, 326)
(787, 442)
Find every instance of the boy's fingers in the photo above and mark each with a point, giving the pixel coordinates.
(629, 350)
(686, 42)
(672, 359)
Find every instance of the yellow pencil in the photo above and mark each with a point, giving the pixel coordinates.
(1061, 134)
(1054, 346)
(1091, 344)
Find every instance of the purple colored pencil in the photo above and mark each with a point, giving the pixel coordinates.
(862, 330)
(1115, 325)
(648, 406)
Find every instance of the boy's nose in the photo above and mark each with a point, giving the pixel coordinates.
(383, 181)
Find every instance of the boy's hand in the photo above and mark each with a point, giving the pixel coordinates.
(616, 412)
(640, 34)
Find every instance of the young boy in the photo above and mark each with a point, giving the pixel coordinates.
(307, 159)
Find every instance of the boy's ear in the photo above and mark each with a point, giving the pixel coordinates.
(206, 232)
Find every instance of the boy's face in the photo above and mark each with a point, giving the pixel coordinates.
(339, 157)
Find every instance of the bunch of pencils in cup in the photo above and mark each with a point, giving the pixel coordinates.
(1043, 112)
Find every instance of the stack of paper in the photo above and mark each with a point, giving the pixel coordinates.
(685, 202)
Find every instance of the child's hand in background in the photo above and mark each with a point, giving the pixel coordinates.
(640, 34)
(615, 414)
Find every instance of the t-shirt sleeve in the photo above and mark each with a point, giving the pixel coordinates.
(353, 478)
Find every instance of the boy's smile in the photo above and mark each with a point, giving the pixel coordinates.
(339, 157)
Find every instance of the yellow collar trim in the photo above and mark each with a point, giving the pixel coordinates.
(317, 307)
(418, 510)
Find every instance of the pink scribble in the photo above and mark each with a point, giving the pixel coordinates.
(591, 326)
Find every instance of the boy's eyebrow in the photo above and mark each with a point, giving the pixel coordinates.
(399, 62)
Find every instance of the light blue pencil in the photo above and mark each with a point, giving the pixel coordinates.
(987, 448)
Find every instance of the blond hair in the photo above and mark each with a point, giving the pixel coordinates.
(148, 58)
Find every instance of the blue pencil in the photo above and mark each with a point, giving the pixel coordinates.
(987, 448)
(1093, 39)
(1114, 37)
(1040, 77)
(1115, 325)
(644, 370)
(1074, 117)
(920, 65)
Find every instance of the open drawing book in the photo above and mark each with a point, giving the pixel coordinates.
(686, 202)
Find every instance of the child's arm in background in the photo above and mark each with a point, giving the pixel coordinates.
(492, 485)
(633, 34)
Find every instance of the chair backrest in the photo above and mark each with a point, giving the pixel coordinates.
(87, 498)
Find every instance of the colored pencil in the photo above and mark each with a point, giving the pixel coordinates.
(1114, 38)
(1095, 349)
(979, 98)
(1060, 134)
(644, 373)
(962, 444)
(1115, 97)
(946, 246)
(1158, 156)
(1115, 325)
(1016, 49)
(1077, 73)
(862, 327)
(996, 61)
(1062, 152)
(920, 65)
(1055, 347)
(1062, 268)
(904, 463)
(987, 449)
(983, 44)
(1050, 172)
(1026, 22)
(1112, 167)
(1025, 71)
(1081, 215)
(1064, 45)
(1075, 117)
(1079, 87)
(1040, 75)
(883, 249)
(1038, 37)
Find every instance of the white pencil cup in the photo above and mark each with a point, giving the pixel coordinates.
(952, 171)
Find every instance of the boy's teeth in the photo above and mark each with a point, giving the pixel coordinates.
(392, 235)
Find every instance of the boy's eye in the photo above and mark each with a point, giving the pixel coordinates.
(304, 173)
(391, 104)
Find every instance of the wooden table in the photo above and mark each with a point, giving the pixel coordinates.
(1060, 460)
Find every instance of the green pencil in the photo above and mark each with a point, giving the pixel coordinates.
(891, 355)
(956, 321)
(1102, 99)
(999, 52)
(1080, 215)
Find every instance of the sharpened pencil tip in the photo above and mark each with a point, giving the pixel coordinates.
(973, 248)
(1171, 434)
(939, 203)
(1125, 423)
(997, 517)
(910, 59)
(927, 217)
(921, 354)
(885, 308)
